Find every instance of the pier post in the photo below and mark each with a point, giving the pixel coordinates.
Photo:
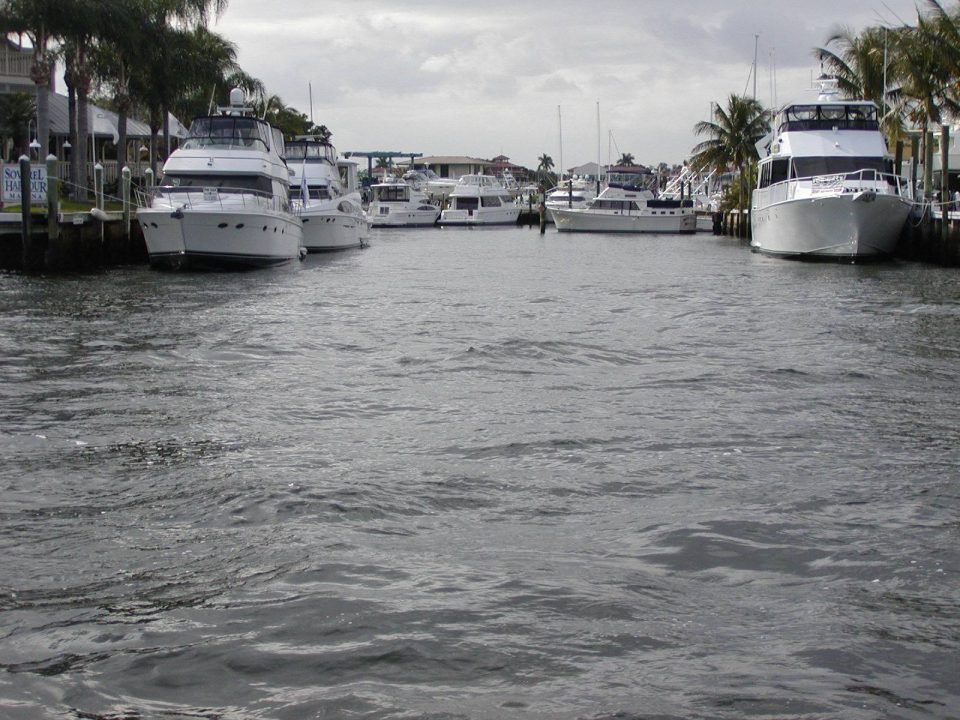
(928, 165)
(53, 199)
(98, 184)
(26, 225)
(914, 160)
(542, 208)
(898, 159)
(148, 178)
(944, 182)
(126, 202)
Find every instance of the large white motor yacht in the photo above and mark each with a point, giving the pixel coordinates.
(396, 203)
(627, 210)
(223, 199)
(826, 188)
(480, 200)
(330, 209)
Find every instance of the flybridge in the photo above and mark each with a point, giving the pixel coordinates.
(829, 116)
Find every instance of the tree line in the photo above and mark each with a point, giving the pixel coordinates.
(911, 72)
(148, 59)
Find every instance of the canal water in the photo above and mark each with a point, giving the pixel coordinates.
(483, 474)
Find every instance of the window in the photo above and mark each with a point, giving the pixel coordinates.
(391, 194)
(812, 166)
(465, 203)
(491, 202)
(258, 183)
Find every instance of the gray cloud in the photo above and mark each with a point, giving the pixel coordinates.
(483, 78)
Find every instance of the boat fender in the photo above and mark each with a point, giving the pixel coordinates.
(98, 214)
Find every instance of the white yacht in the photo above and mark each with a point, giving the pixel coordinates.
(627, 210)
(826, 188)
(330, 210)
(480, 200)
(438, 189)
(572, 193)
(223, 199)
(396, 203)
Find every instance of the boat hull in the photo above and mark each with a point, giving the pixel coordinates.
(483, 216)
(572, 220)
(199, 239)
(838, 227)
(389, 216)
(330, 231)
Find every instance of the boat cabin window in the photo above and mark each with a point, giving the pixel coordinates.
(391, 194)
(774, 171)
(317, 192)
(491, 202)
(465, 203)
(811, 166)
(175, 181)
(617, 205)
(228, 130)
(305, 150)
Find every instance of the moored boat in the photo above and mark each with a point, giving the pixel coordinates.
(330, 210)
(480, 200)
(396, 203)
(628, 210)
(223, 198)
(826, 188)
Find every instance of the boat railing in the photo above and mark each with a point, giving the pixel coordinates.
(194, 197)
(867, 180)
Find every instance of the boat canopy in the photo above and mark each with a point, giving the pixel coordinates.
(228, 130)
(827, 116)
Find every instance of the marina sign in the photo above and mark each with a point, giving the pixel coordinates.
(11, 184)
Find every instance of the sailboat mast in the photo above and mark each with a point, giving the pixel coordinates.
(560, 129)
(598, 147)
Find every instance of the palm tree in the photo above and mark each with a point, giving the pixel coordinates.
(863, 65)
(545, 167)
(88, 19)
(38, 21)
(927, 75)
(115, 59)
(731, 138)
(626, 159)
(16, 112)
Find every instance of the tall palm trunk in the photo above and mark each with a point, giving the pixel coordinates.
(40, 71)
(83, 134)
(72, 130)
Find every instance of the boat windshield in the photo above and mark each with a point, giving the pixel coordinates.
(228, 130)
(314, 192)
(305, 150)
(843, 116)
(184, 182)
(813, 166)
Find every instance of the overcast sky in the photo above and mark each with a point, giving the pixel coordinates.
(450, 77)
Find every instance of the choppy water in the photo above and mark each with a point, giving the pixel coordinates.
(483, 474)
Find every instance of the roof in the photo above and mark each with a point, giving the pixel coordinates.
(451, 160)
(103, 122)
